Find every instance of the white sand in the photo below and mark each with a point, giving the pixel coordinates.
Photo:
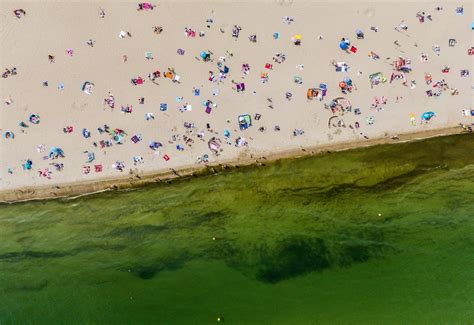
(52, 27)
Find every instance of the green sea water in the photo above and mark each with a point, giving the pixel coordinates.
(381, 235)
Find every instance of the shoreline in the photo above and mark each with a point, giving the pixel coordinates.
(132, 180)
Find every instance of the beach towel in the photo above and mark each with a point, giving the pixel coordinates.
(136, 138)
(240, 87)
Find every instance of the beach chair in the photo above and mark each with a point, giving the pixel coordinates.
(312, 93)
(324, 88)
(90, 157)
(245, 121)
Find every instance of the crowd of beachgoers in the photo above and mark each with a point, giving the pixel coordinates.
(223, 89)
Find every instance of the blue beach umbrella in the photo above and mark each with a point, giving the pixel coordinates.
(427, 116)
(204, 55)
(343, 45)
(56, 152)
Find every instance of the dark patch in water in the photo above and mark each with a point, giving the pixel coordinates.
(400, 180)
(294, 256)
(212, 217)
(361, 246)
(354, 253)
(35, 286)
(317, 193)
(22, 239)
(137, 231)
(148, 271)
(19, 256)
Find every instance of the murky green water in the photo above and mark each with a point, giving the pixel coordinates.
(298, 242)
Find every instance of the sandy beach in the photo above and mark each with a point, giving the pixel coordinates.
(100, 93)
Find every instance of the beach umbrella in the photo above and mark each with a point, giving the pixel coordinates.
(204, 55)
(427, 116)
(27, 165)
(343, 45)
(342, 84)
(9, 135)
(34, 118)
(56, 152)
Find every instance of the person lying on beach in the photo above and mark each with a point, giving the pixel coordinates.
(101, 13)
(19, 13)
(9, 72)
